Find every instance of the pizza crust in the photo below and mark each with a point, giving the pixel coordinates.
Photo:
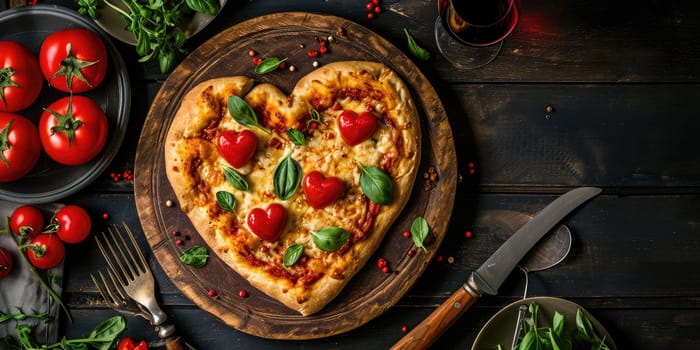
(320, 90)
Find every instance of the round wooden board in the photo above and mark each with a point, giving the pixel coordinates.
(370, 292)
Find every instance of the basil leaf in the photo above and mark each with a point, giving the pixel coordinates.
(296, 136)
(419, 232)
(330, 239)
(287, 177)
(226, 201)
(166, 58)
(209, 7)
(235, 179)
(243, 113)
(195, 256)
(268, 65)
(529, 340)
(376, 184)
(292, 254)
(106, 332)
(584, 327)
(416, 50)
(558, 323)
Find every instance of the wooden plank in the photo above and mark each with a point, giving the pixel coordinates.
(631, 138)
(648, 329)
(606, 135)
(555, 41)
(621, 250)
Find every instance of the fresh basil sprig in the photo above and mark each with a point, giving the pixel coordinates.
(243, 113)
(419, 232)
(209, 7)
(292, 254)
(195, 256)
(376, 184)
(536, 336)
(235, 179)
(416, 50)
(102, 337)
(287, 177)
(20, 316)
(268, 65)
(226, 201)
(156, 25)
(296, 136)
(330, 239)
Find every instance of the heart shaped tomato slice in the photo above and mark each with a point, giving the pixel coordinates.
(321, 191)
(268, 224)
(237, 147)
(356, 128)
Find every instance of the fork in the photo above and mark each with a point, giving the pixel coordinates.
(116, 298)
(130, 273)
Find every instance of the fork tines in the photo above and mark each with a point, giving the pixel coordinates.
(124, 265)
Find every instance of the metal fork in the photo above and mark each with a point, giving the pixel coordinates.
(116, 297)
(130, 272)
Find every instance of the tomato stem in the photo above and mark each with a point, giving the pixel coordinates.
(70, 67)
(6, 81)
(5, 142)
(34, 271)
(66, 124)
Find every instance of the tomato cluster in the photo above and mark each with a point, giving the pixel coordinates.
(44, 243)
(71, 130)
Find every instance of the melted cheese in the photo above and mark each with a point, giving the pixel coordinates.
(325, 151)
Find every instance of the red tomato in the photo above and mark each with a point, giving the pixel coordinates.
(20, 147)
(73, 130)
(73, 224)
(45, 251)
(128, 344)
(5, 262)
(20, 77)
(73, 60)
(27, 219)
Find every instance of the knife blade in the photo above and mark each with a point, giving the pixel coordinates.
(494, 271)
(491, 274)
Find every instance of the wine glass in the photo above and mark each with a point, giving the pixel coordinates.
(470, 33)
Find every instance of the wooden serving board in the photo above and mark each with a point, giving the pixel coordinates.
(370, 292)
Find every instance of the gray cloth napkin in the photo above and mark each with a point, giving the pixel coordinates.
(21, 289)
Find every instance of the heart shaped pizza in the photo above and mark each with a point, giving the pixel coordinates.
(296, 191)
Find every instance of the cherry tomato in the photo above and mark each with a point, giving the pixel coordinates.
(27, 219)
(19, 146)
(20, 77)
(73, 130)
(73, 60)
(45, 251)
(5, 262)
(73, 224)
(128, 344)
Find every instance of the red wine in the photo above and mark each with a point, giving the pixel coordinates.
(481, 22)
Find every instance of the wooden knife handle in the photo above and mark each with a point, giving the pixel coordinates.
(432, 327)
(176, 344)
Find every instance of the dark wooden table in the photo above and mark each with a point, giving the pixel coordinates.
(622, 78)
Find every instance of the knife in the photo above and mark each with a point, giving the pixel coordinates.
(491, 274)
